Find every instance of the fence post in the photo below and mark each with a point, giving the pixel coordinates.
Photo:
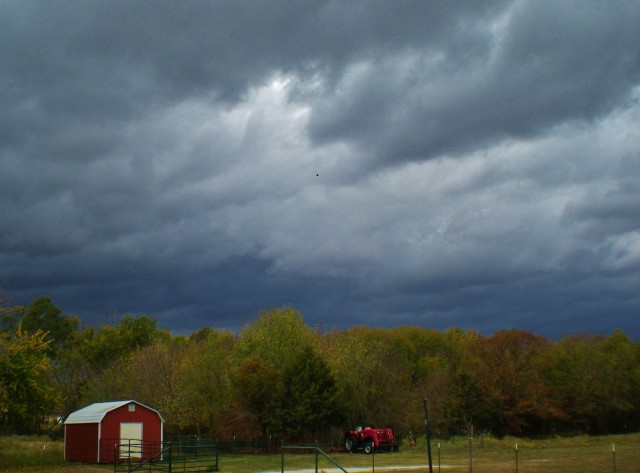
(373, 460)
(316, 449)
(129, 464)
(438, 457)
(170, 457)
(613, 452)
(516, 457)
(471, 450)
(217, 447)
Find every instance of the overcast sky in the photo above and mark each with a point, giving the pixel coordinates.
(382, 163)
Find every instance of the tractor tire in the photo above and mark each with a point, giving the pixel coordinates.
(368, 447)
(350, 443)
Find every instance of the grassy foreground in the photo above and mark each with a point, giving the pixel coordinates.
(558, 455)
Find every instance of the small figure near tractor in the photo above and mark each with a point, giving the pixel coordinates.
(369, 440)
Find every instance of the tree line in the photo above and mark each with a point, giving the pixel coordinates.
(278, 376)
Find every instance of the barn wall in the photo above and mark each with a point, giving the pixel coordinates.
(81, 442)
(151, 429)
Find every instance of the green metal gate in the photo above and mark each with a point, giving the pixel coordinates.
(315, 448)
(169, 457)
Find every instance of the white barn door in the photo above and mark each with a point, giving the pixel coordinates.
(131, 440)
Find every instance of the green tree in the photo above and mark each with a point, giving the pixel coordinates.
(206, 374)
(419, 350)
(308, 401)
(116, 362)
(620, 381)
(111, 344)
(26, 395)
(459, 403)
(156, 375)
(276, 336)
(572, 365)
(361, 361)
(43, 314)
(70, 374)
(596, 382)
(422, 372)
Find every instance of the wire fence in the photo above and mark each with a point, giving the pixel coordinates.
(456, 456)
(472, 458)
(265, 445)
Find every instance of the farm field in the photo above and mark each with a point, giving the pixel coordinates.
(559, 455)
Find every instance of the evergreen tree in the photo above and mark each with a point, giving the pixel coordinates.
(308, 401)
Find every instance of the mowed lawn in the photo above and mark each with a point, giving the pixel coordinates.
(562, 455)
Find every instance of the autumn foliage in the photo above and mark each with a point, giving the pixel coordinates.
(278, 376)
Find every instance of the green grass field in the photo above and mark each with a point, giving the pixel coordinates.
(559, 455)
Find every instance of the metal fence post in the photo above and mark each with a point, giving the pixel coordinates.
(516, 457)
(471, 450)
(217, 447)
(316, 449)
(373, 460)
(613, 452)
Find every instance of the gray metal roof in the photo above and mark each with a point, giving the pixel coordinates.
(94, 413)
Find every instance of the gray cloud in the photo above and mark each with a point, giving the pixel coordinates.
(368, 162)
(528, 70)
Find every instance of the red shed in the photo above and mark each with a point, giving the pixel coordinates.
(97, 432)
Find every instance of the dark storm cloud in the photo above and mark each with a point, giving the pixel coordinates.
(442, 163)
(533, 66)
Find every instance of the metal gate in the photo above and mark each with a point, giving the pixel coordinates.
(169, 457)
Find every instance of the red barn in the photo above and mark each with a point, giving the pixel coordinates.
(124, 429)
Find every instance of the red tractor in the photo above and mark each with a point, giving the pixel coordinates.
(369, 440)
